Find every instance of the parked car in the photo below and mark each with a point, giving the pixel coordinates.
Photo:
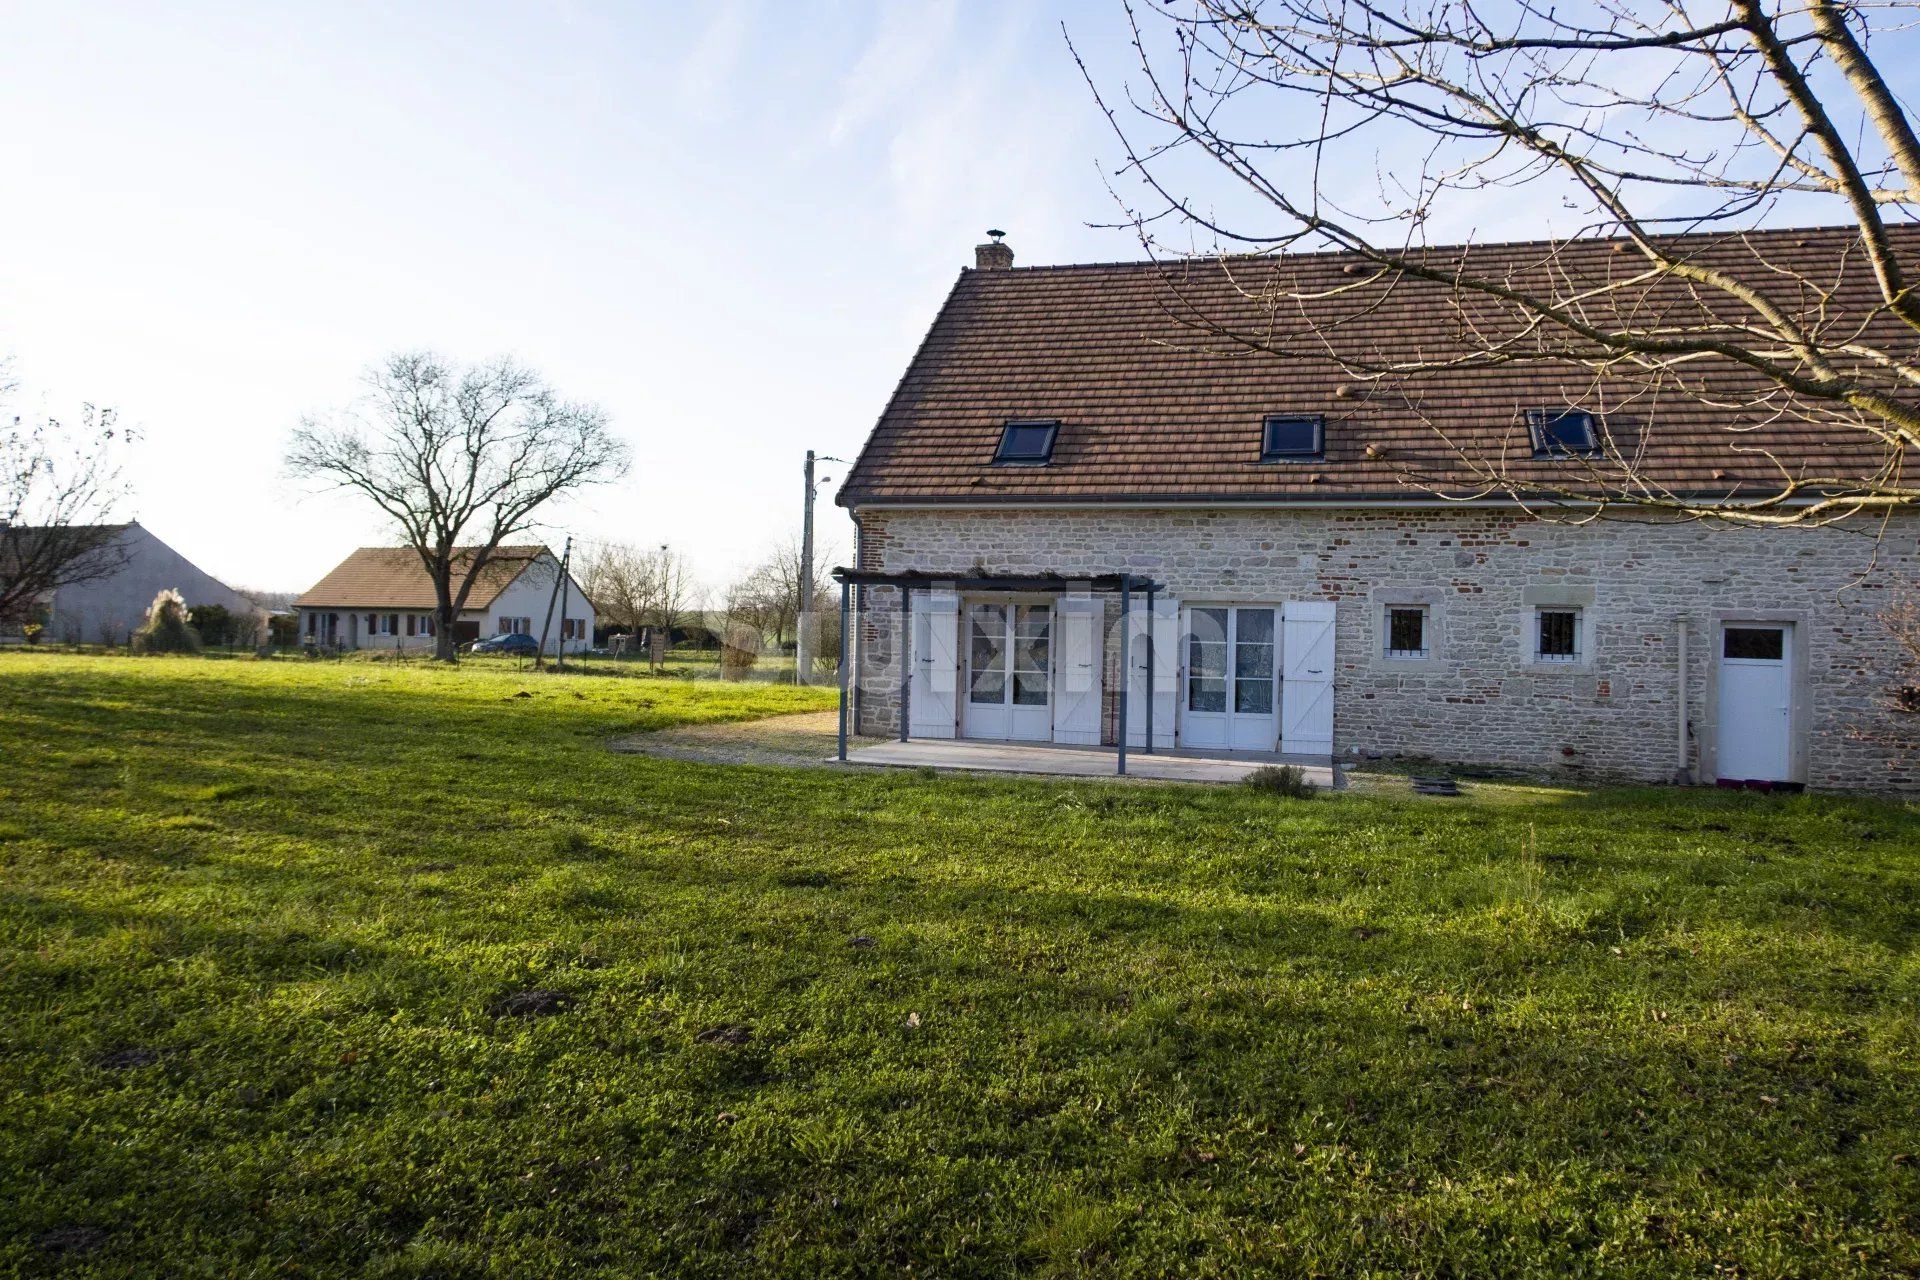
(514, 643)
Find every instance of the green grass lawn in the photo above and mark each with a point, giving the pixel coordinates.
(266, 930)
(692, 664)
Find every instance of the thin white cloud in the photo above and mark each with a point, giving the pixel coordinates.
(893, 68)
(709, 75)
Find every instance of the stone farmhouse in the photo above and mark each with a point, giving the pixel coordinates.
(382, 598)
(1313, 571)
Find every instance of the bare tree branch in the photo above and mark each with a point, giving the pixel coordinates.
(59, 485)
(1677, 129)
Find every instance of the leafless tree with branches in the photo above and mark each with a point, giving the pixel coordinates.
(1677, 129)
(768, 596)
(460, 459)
(636, 588)
(59, 485)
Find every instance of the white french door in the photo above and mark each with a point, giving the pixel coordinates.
(1009, 671)
(1231, 700)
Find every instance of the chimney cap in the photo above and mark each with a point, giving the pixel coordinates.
(996, 233)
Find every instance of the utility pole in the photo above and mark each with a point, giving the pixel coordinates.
(566, 579)
(540, 655)
(802, 649)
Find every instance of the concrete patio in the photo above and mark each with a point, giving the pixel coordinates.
(1057, 760)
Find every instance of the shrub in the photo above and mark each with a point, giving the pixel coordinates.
(166, 629)
(1282, 779)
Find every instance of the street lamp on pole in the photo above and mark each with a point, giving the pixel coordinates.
(802, 646)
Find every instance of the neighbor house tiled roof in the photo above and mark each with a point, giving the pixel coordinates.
(1153, 406)
(394, 578)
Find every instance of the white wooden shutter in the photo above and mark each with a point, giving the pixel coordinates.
(1165, 630)
(1076, 675)
(1306, 686)
(933, 690)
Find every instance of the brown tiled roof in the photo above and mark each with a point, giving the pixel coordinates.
(1155, 407)
(394, 578)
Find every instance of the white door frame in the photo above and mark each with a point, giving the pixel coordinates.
(1799, 715)
(1006, 720)
(1234, 728)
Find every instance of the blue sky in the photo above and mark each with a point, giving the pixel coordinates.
(727, 223)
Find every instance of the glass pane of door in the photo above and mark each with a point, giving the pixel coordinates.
(987, 653)
(1767, 644)
(1207, 661)
(1253, 661)
(1032, 654)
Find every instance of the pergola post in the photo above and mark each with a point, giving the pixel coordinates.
(845, 620)
(1149, 639)
(906, 655)
(1126, 675)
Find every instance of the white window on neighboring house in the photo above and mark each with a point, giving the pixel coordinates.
(426, 624)
(1405, 631)
(1556, 635)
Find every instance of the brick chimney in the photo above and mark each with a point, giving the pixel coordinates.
(993, 255)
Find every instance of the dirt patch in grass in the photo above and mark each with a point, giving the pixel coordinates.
(536, 1003)
(809, 738)
(72, 1240)
(127, 1059)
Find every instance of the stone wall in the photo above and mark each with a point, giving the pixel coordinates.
(1481, 698)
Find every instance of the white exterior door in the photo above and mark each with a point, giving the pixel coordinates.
(1076, 670)
(1009, 663)
(934, 681)
(1756, 700)
(1306, 681)
(1164, 629)
(1231, 698)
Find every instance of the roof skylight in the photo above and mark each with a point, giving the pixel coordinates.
(1027, 443)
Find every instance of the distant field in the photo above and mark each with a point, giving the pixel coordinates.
(700, 664)
(364, 969)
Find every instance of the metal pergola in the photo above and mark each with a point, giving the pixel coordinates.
(1126, 585)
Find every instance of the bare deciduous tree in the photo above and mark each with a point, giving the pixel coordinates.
(614, 576)
(460, 459)
(768, 597)
(672, 590)
(1358, 125)
(638, 588)
(59, 484)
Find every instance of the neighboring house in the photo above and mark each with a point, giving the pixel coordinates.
(382, 598)
(108, 609)
(1062, 423)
